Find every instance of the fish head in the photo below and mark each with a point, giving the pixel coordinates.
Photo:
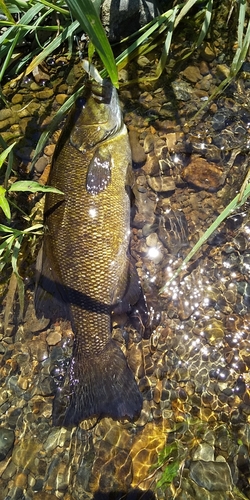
(97, 116)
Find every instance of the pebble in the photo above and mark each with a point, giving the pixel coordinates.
(222, 71)
(161, 183)
(208, 52)
(7, 438)
(204, 452)
(53, 338)
(152, 240)
(138, 153)
(21, 481)
(49, 150)
(17, 99)
(45, 94)
(182, 90)
(149, 143)
(192, 74)
(61, 98)
(41, 164)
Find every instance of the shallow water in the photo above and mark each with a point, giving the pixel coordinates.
(192, 438)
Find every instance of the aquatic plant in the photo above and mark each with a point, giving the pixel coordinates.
(13, 240)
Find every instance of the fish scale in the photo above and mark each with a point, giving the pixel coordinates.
(86, 249)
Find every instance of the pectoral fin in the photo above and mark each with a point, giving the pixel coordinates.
(99, 172)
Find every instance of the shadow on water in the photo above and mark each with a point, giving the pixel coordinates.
(135, 494)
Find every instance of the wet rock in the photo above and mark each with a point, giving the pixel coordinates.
(149, 143)
(61, 98)
(222, 71)
(45, 94)
(152, 240)
(138, 153)
(40, 76)
(161, 183)
(213, 476)
(38, 349)
(208, 52)
(17, 99)
(49, 150)
(7, 437)
(151, 166)
(53, 338)
(203, 174)
(173, 231)
(192, 74)
(204, 452)
(25, 454)
(41, 164)
(204, 68)
(182, 90)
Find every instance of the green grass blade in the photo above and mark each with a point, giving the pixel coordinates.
(6, 12)
(9, 54)
(55, 7)
(54, 124)
(206, 22)
(188, 5)
(5, 153)
(52, 46)
(87, 16)
(163, 59)
(11, 32)
(4, 204)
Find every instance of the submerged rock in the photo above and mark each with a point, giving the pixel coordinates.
(7, 437)
(214, 476)
(203, 174)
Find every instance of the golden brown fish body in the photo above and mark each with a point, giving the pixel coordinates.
(86, 245)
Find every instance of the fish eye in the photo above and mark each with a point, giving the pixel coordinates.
(80, 102)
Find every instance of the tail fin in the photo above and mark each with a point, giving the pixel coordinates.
(102, 386)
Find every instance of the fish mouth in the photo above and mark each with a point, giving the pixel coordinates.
(97, 117)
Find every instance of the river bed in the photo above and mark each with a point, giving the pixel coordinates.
(192, 438)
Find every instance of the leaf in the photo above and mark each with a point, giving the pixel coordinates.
(4, 204)
(5, 153)
(6, 229)
(52, 46)
(32, 187)
(168, 474)
(86, 13)
(5, 10)
(54, 124)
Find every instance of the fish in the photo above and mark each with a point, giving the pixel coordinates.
(85, 260)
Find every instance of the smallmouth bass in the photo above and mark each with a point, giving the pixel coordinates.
(85, 253)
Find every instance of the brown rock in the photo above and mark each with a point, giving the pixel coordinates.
(61, 98)
(49, 150)
(161, 183)
(138, 153)
(204, 68)
(151, 166)
(203, 174)
(192, 74)
(208, 52)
